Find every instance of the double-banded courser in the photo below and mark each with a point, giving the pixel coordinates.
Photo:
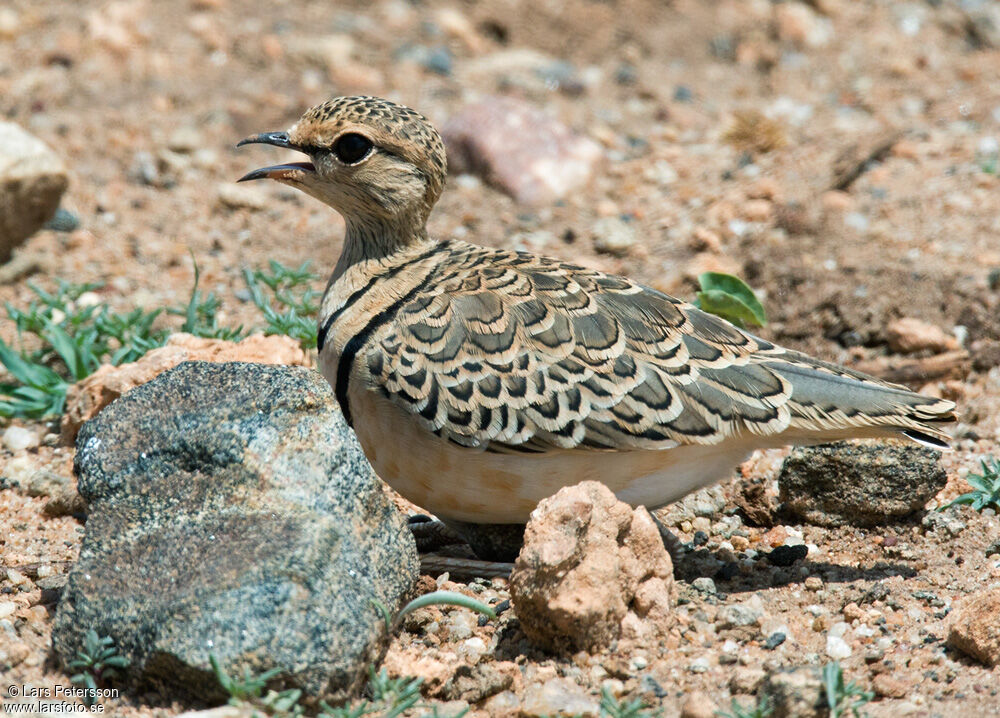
(480, 381)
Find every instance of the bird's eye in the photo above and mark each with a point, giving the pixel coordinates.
(352, 147)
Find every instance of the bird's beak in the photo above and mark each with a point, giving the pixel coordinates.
(290, 171)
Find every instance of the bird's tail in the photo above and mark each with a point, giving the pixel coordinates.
(829, 402)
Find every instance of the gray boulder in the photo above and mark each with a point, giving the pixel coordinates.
(32, 181)
(868, 484)
(232, 512)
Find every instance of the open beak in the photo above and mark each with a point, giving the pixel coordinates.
(290, 171)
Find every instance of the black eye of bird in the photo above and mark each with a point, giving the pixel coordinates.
(352, 147)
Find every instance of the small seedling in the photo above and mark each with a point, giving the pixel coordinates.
(292, 290)
(200, 315)
(761, 709)
(614, 708)
(985, 488)
(388, 698)
(98, 663)
(249, 691)
(730, 298)
(841, 697)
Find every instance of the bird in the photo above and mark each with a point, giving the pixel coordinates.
(480, 381)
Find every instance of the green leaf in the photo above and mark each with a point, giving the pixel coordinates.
(730, 298)
(448, 598)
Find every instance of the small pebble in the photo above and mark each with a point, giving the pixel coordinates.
(45, 570)
(837, 648)
(699, 665)
(63, 221)
(774, 640)
(787, 555)
(814, 583)
(236, 197)
(613, 235)
(7, 608)
(17, 438)
(698, 705)
(704, 584)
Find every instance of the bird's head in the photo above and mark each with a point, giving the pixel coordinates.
(375, 162)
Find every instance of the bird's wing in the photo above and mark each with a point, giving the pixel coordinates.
(507, 351)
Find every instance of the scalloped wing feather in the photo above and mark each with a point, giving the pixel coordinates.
(506, 351)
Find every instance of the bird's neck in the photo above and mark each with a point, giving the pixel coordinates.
(370, 238)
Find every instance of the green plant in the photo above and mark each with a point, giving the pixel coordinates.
(730, 298)
(842, 697)
(985, 487)
(614, 708)
(388, 698)
(97, 663)
(200, 315)
(292, 290)
(249, 691)
(761, 709)
(72, 339)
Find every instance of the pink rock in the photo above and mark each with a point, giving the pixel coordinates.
(519, 149)
(592, 570)
(975, 627)
(86, 398)
(908, 335)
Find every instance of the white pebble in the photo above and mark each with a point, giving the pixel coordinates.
(17, 438)
(837, 648)
(699, 665)
(7, 608)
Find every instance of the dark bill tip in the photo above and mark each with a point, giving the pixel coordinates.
(292, 170)
(278, 139)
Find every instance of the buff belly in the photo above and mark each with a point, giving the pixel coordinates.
(454, 482)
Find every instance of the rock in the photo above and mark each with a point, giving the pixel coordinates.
(32, 181)
(889, 686)
(787, 555)
(800, 25)
(477, 683)
(558, 696)
(866, 484)
(796, 693)
(613, 235)
(909, 335)
(975, 627)
(64, 501)
(746, 680)
(592, 570)
(47, 483)
(63, 221)
(13, 654)
(17, 438)
(232, 512)
(547, 162)
(837, 648)
(86, 398)
(740, 614)
(185, 140)
(236, 196)
(704, 585)
(698, 705)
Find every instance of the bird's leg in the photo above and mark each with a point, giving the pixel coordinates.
(673, 544)
(431, 534)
